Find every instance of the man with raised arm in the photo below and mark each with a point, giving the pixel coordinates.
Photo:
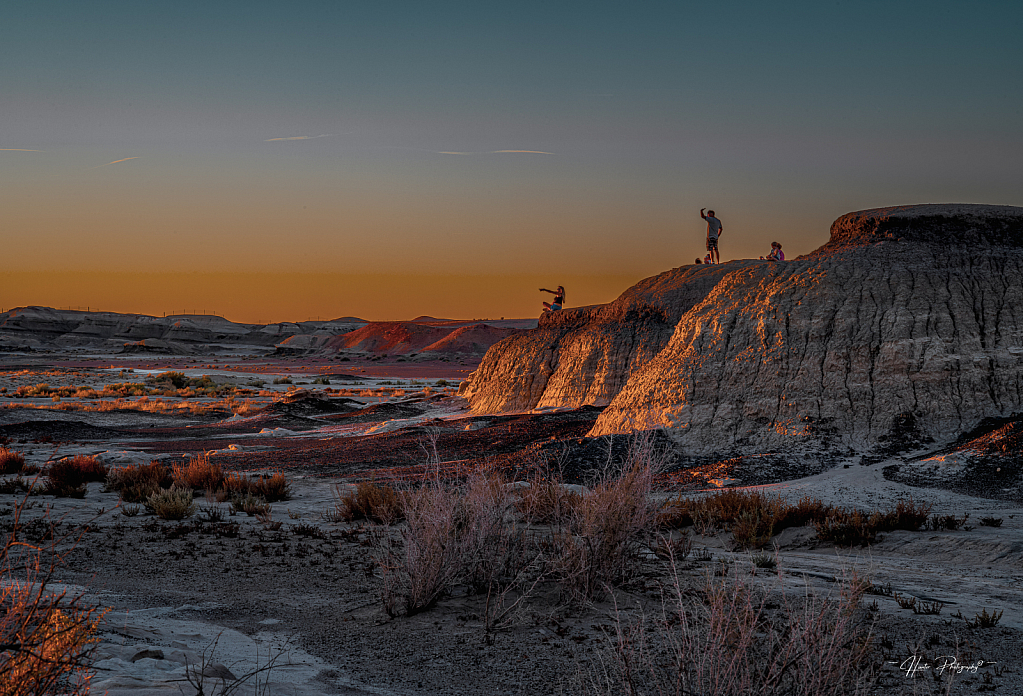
(714, 229)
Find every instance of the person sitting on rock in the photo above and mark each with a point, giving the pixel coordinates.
(707, 259)
(776, 253)
(699, 261)
(559, 299)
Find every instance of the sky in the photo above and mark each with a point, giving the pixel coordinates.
(277, 161)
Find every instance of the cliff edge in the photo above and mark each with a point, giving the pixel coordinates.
(910, 319)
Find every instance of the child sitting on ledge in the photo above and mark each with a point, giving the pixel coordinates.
(776, 253)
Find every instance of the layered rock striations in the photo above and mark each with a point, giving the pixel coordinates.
(908, 321)
(584, 356)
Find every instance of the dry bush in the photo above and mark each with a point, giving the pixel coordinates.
(237, 484)
(596, 548)
(425, 565)
(546, 501)
(173, 504)
(369, 502)
(46, 637)
(11, 462)
(135, 484)
(199, 474)
(753, 518)
(273, 488)
(737, 641)
(844, 528)
(454, 535)
(67, 478)
(907, 515)
(251, 505)
(752, 530)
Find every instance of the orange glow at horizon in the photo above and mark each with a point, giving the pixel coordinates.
(262, 298)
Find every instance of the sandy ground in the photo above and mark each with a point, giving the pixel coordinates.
(307, 596)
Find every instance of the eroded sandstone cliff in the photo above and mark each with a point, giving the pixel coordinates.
(910, 318)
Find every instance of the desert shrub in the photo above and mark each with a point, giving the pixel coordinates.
(11, 462)
(67, 478)
(454, 535)
(282, 380)
(47, 637)
(546, 501)
(938, 523)
(178, 380)
(199, 474)
(752, 530)
(369, 502)
(136, 483)
(906, 515)
(844, 528)
(173, 504)
(764, 560)
(236, 485)
(489, 548)
(595, 549)
(425, 565)
(321, 380)
(738, 641)
(251, 505)
(273, 488)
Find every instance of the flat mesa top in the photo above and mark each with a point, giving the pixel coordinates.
(952, 210)
(942, 223)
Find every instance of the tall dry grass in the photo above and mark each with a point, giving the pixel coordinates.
(736, 638)
(466, 534)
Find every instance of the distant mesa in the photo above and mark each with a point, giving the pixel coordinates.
(402, 338)
(906, 327)
(44, 328)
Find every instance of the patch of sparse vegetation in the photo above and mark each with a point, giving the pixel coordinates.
(951, 523)
(67, 478)
(251, 505)
(199, 474)
(11, 462)
(173, 504)
(136, 483)
(981, 619)
(369, 501)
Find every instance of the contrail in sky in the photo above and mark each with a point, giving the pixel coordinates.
(114, 162)
(299, 137)
(17, 149)
(496, 152)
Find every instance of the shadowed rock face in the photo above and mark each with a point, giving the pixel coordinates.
(896, 320)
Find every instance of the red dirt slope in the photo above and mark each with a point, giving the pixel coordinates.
(387, 337)
(470, 339)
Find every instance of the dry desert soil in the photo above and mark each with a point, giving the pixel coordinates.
(306, 597)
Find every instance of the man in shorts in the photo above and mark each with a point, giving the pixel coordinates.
(714, 230)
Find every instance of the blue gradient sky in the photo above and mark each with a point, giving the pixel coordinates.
(780, 116)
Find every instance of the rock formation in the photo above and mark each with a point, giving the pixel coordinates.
(47, 328)
(908, 322)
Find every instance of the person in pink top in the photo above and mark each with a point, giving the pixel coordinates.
(776, 253)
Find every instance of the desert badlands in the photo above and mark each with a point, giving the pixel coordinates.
(800, 477)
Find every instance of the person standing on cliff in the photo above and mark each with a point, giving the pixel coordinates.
(559, 299)
(714, 229)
